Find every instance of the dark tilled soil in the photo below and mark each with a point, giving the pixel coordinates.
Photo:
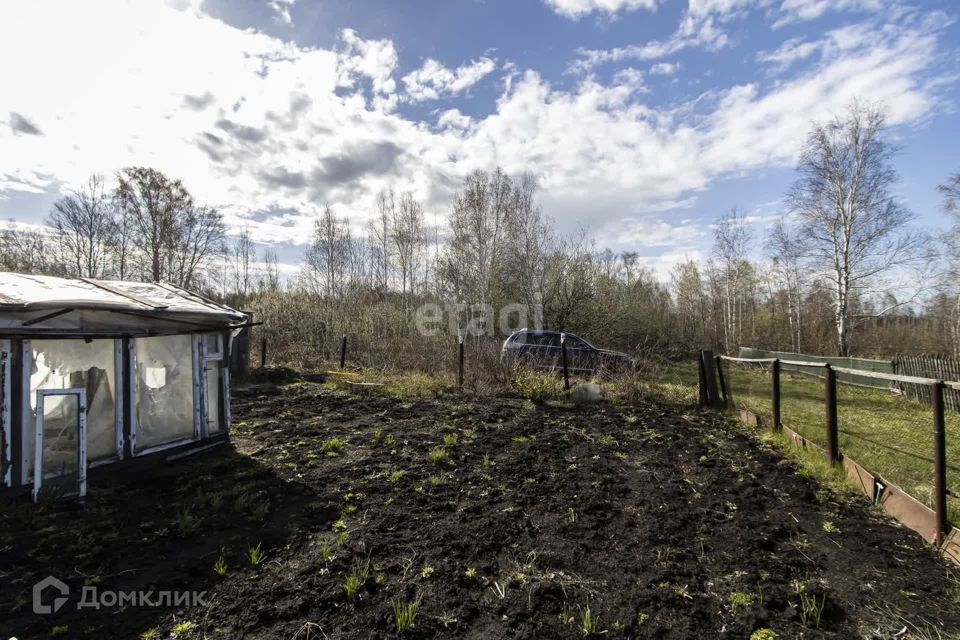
(663, 522)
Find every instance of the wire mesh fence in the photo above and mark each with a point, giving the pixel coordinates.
(889, 434)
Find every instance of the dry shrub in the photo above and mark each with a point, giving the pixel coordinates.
(538, 386)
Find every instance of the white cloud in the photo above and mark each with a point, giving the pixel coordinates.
(453, 119)
(373, 59)
(648, 232)
(254, 124)
(281, 10)
(576, 9)
(802, 10)
(433, 80)
(665, 68)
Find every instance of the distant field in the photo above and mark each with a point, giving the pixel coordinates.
(885, 433)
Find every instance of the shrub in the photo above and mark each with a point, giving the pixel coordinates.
(538, 387)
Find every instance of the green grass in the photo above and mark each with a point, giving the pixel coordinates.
(886, 433)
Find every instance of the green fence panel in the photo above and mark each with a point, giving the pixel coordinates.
(863, 364)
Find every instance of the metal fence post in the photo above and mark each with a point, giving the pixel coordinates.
(460, 364)
(723, 384)
(343, 351)
(939, 462)
(775, 390)
(563, 355)
(830, 400)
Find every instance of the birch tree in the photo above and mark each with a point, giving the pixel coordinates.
(852, 225)
(787, 254)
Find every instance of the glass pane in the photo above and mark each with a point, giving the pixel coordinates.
(211, 343)
(213, 396)
(66, 364)
(164, 370)
(61, 424)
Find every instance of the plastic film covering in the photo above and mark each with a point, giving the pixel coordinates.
(63, 364)
(164, 382)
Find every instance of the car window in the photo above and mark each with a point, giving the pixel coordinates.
(573, 342)
(544, 339)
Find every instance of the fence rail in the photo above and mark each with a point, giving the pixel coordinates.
(713, 396)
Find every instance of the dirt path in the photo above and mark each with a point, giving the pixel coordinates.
(498, 518)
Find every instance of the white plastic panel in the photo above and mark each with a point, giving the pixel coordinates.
(164, 391)
(76, 363)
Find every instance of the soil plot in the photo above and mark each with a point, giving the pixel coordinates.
(364, 517)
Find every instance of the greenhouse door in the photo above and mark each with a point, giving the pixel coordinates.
(61, 447)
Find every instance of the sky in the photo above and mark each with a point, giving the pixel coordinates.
(643, 120)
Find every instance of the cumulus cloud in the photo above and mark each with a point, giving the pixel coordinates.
(433, 80)
(253, 123)
(576, 9)
(373, 59)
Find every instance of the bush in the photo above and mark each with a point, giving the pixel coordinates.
(538, 387)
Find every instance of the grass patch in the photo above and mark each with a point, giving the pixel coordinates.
(538, 387)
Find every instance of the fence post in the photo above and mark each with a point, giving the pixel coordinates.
(775, 390)
(460, 365)
(723, 384)
(830, 400)
(711, 393)
(263, 352)
(939, 462)
(563, 355)
(343, 352)
(701, 382)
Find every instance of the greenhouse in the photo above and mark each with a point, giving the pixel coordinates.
(96, 372)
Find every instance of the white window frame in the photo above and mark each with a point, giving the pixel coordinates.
(26, 429)
(81, 438)
(203, 357)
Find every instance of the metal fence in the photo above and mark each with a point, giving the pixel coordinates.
(905, 444)
(940, 367)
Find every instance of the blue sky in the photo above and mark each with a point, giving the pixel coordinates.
(643, 119)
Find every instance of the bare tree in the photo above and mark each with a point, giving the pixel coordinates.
(153, 203)
(328, 255)
(85, 223)
(198, 232)
(244, 255)
(731, 244)
(951, 194)
(380, 233)
(271, 271)
(27, 250)
(477, 225)
(853, 227)
(951, 245)
(407, 239)
(786, 251)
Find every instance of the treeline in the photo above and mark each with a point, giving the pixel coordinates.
(844, 271)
